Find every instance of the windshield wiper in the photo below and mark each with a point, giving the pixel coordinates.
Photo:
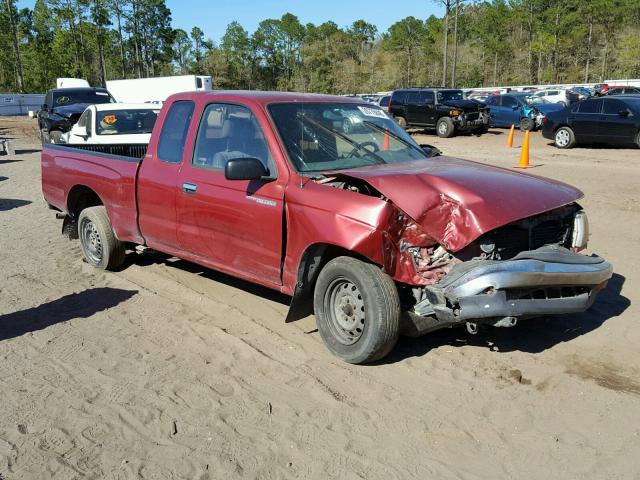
(397, 137)
(378, 159)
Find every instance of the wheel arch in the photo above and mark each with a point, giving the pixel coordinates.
(312, 260)
(78, 198)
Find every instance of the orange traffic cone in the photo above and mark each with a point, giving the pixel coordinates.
(510, 137)
(385, 145)
(524, 153)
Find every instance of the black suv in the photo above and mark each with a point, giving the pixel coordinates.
(444, 109)
(62, 108)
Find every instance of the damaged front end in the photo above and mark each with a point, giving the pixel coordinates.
(525, 269)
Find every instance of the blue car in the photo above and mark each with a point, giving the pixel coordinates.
(520, 109)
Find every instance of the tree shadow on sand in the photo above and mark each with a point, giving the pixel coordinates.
(533, 336)
(69, 307)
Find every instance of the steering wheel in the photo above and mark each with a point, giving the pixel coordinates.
(361, 146)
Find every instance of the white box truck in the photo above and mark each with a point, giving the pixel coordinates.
(140, 90)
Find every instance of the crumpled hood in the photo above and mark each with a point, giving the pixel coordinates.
(466, 105)
(455, 201)
(68, 110)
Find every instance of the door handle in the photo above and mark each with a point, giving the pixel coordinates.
(189, 188)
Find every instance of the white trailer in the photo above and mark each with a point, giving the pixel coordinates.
(140, 90)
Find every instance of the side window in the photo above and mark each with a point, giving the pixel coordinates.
(509, 102)
(82, 121)
(427, 98)
(198, 83)
(490, 101)
(399, 97)
(553, 92)
(613, 107)
(412, 98)
(174, 132)
(574, 107)
(227, 132)
(591, 106)
(88, 122)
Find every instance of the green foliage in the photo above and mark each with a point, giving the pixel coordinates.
(498, 42)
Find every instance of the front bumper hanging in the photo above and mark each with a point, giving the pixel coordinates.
(546, 281)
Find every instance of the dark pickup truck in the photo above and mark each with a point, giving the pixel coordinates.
(444, 109)
(358, 225)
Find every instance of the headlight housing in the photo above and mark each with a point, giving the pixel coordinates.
(580, 235)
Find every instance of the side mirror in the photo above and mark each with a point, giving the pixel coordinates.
(245, 169)
(430, 150)
(79, 131)
(624, 113)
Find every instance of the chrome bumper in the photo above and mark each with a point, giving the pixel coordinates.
(549, 280)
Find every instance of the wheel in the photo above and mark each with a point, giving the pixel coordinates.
(526, 124)
(402, 122)
(357, 310)
(99, 244)
(445, 127)
(55, 136)
(564, 138)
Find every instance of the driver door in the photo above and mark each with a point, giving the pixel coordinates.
(235, 225)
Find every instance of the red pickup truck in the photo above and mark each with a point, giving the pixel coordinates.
(326, 199)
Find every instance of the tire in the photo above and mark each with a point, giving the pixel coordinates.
(55, 136)
(357, 310)
(99, 244)
(402, 122)
(564, 138)
(445, 127)
(526, 124)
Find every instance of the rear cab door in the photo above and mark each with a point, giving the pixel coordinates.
(585, 122)
(232, 225)
(158, 176)
(617, 126)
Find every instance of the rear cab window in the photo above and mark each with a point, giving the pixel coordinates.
(174, 131)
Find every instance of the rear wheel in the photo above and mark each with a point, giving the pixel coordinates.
(357, 310)
(564, 138)
(526, 124)
(99, 244)
(402, 122)
(445, 127)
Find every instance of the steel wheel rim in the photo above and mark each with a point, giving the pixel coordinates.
(562, 138)
(345, 310)
(91, 241)
(442, 128)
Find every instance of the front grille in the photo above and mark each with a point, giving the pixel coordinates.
(545, 293)
(531, 234)
(470, 117)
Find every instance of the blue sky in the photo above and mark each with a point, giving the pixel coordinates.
(213, 16)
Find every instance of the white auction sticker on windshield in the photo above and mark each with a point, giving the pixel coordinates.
(372, 112)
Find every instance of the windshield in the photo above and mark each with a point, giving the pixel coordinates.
(446, 95)
(71, 97)
(125, 122)
(533, 100)
(335, 136)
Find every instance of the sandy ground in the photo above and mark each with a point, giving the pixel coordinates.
(168, 371)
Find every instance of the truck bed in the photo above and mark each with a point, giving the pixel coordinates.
(69, 171)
